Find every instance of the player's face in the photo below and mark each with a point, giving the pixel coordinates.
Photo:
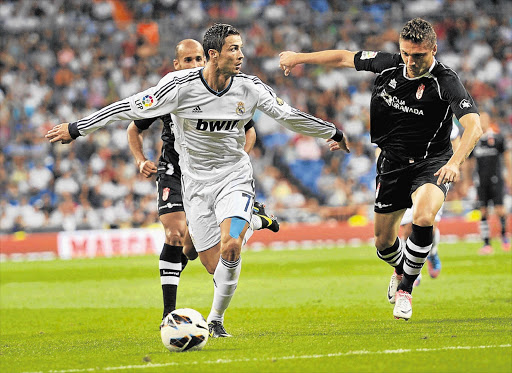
(189, 56)
(417, 57)
(230, 58)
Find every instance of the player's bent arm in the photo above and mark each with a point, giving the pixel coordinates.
(250, 139)
(135, 143)
(471, 135)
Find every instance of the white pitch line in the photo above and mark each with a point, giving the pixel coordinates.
(292, 357)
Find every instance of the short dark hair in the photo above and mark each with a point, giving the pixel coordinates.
(418, 31)
(215, 37)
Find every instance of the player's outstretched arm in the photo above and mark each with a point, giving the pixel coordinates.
(135, 143)
(333, 58)
(450, 172)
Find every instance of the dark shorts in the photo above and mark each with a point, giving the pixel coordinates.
(491, 189)
(169, 194)
(396, 181)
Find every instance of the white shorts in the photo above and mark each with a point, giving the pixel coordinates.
(407, 218)
(207, 204)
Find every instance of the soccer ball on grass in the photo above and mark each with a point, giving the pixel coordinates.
(184, 329)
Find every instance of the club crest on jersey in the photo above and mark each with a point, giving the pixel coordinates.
(366, 55)
(465, 104)
(392, 83)
(279, 101)
(240, 108)
(165, 194)
(419, 92)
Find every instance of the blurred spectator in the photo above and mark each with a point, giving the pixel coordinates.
(64, 59)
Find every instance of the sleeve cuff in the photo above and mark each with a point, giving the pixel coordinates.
(338, 136)
(73, 130)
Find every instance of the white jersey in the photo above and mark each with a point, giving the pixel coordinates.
(209, 125)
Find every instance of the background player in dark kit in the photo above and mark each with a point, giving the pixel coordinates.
(489, 155)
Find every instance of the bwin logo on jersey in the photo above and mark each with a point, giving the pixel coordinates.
(216, 125)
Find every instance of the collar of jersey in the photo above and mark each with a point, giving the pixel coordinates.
(212, 90)
(427, 74)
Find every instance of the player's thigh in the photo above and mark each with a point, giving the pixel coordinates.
(427, 201)
(393, 186)
(199, 201)
(169, 195)
(175, 223)
(236, 196)
(497, 193)
(188, 246)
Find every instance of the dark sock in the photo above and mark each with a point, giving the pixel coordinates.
(417, 249)
(484, 230)
(393, 256)
(503, 222)
(170, 266)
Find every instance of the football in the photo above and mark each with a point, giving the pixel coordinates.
(184, 329)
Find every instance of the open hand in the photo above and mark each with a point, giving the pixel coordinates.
(342, 145)
(60, 133)
(449, 173)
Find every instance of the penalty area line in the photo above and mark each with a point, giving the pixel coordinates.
(269, 359)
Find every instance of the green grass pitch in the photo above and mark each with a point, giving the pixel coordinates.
(321, 310)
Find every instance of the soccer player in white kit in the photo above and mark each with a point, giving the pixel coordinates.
(210, 107)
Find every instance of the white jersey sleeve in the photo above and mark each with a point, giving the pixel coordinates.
(290, 117)
(151, 103)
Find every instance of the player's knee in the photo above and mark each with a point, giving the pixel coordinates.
(173, 237)
(383, 241)
(230, 249)
(425, 219)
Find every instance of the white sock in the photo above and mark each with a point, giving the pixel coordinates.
(256, 222)
(435, 241)
(225, 280)
(248, 234)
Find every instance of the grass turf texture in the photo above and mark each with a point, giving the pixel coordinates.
(294, 311)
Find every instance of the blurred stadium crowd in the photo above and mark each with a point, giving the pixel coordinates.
(61, 60)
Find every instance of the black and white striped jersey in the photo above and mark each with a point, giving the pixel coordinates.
(412, 117)
(208, 125)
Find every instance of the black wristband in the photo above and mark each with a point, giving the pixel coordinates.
(338, 136)
(73, 130)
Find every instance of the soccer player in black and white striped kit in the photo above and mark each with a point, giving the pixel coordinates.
(209, 108)
(413, 99)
